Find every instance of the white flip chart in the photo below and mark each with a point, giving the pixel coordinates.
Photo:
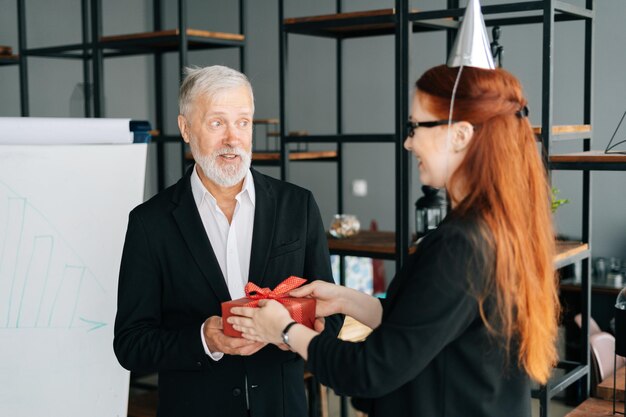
(63, 216)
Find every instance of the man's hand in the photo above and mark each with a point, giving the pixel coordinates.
(217, 341)
(319, 324)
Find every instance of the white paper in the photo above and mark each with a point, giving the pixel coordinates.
(63, 131)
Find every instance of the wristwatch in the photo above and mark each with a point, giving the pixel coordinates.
(284, 333)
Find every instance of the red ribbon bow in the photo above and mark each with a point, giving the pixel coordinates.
(256, 293)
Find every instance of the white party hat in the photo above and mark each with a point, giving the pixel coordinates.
(471, 46)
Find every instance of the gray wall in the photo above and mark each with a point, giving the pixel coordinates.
(55, 90)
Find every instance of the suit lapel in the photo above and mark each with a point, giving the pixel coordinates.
(191, 227)
(263, 232)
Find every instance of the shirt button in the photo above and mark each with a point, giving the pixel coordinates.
(198, 364)
(236, 392)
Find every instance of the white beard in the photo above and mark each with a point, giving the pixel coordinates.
(223, 175)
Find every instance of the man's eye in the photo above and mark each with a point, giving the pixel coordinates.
(244, 123)
(215, 124)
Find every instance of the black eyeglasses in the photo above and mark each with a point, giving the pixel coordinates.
(411, 125)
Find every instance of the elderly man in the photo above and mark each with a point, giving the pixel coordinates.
(195, 245)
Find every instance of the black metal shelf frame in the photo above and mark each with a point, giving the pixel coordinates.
(75, 51)
(400, 30)
(92, 51)
(182, 46)
(383, 24)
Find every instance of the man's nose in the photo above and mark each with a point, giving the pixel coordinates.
(232, 134)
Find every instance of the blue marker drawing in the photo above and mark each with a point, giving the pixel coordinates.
(43, 281)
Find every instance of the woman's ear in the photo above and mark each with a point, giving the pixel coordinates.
(463, 133)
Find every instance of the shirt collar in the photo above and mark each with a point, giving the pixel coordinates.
(200, 193)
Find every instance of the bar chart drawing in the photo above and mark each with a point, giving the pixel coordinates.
(43, 281)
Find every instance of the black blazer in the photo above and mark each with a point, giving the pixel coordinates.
(170, 282)
(432, 356)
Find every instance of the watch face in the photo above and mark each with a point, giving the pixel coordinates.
(285, 332)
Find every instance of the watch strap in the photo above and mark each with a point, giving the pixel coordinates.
(285, 330)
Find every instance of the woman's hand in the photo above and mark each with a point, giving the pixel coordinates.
(329, 297)
(336, 299)
(262, 324)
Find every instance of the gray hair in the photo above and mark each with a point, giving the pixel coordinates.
(209, 81)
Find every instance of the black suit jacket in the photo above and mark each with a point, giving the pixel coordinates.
(170, 282)
(431, 356)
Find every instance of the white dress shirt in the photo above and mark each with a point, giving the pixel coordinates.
(231, 243)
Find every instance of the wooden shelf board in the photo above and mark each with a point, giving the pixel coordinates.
(364, 23)
(384, 243)
(562, 129)
(294, 133)
(568, 285)
(265, 121)
(376, 243)
(9, 59)
(293, 156)
(589, 156)
(161, 34)
(569, 249)
(371, 22)
(167, 41)
(339, 16)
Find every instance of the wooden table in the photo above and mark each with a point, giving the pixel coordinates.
(353, 330)
(605, 388)
(594, 407)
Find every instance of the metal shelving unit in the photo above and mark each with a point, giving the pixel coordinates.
(95, 47)
(180, 40)
(340, 26)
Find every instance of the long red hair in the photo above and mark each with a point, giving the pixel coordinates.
(504, 182)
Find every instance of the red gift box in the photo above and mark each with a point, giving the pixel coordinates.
(301, 310)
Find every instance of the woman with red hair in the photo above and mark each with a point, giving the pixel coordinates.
(471, 318)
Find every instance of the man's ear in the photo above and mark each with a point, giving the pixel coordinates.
(183, 126)
(463, 134)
